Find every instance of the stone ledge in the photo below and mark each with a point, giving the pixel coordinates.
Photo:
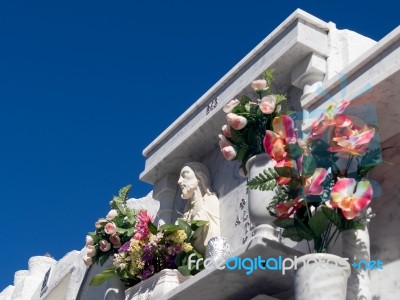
(235, 284)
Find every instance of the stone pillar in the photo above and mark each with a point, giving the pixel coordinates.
(165, 190)
(309, 73)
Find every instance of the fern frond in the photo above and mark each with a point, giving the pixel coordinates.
(265, 181)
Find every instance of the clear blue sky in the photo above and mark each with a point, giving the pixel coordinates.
(85, 86)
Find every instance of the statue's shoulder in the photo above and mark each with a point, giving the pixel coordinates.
(210, 197)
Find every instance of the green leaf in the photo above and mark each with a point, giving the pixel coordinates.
(309, 165)
(152, 228)
(265, 181)
(284, 223)
(286, 171)
(169, 228)
(318, 223)
(185, 226)
(184, 270)
(121, 230)
(245, 99)
(105, 257)
(195, 224)
(352, 224)
(293, 233)
(307, 233)
(294, 150)
(130, 231)
(242, 153)
(237, 137)
(123, 193)
(333, 217)
(99, 279)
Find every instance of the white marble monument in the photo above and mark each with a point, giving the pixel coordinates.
(315, 63)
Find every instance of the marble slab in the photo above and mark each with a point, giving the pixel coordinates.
(235, 284)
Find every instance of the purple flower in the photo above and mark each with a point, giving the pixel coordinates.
(170, 262)
(147, 253)
(124, 247)
(147, 272)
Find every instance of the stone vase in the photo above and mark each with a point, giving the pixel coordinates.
(356, 247)
(259, 200)
(321, 276)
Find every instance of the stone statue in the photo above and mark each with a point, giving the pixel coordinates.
(203, 204)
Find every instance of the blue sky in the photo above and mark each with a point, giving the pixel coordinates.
(85, 86)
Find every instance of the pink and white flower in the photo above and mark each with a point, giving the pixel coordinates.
(350, 196)
(100, 222)
(313, 184)
(229, 152)
(267, 104)
(115, 240)
(104, 245)
(275, 141)
(352, 141)
(89, 240)
(259, 85)
(142, 226)
(235, 121)
(231, 105)
(87, 260)
(287, 208)
(90, 250)
(332, 117)
(226, 130)
(110, 228)
(112, 214)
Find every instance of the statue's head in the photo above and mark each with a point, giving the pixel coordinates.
(193, 175)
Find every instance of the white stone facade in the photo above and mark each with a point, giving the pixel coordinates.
(309, 56)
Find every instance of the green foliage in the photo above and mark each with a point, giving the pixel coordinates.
(340, 222)
(265, 181)
(309, 165)
(369, 160)
(318, 223)
(99, 279)
(333, 216)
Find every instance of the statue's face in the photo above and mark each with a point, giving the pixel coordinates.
(188, 182)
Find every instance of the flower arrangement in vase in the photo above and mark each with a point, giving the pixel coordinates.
(248, 119)
(320, 191)
(138, 248)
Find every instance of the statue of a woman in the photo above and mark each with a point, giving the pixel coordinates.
(203, 204)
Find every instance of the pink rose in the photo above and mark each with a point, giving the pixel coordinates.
(112, 214)
(267, 105)
(226, 130)
(90, 250)
(89, 240)
(259, 85)
(87, 260)
(115, 240)
(235, 121)
(104, 245)
(110, 228)
(224, 141)
(229, 152)
(231, 105)
(100, 222)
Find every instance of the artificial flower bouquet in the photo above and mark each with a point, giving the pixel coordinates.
(137, 247)
(248, 119)
(320, 179)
